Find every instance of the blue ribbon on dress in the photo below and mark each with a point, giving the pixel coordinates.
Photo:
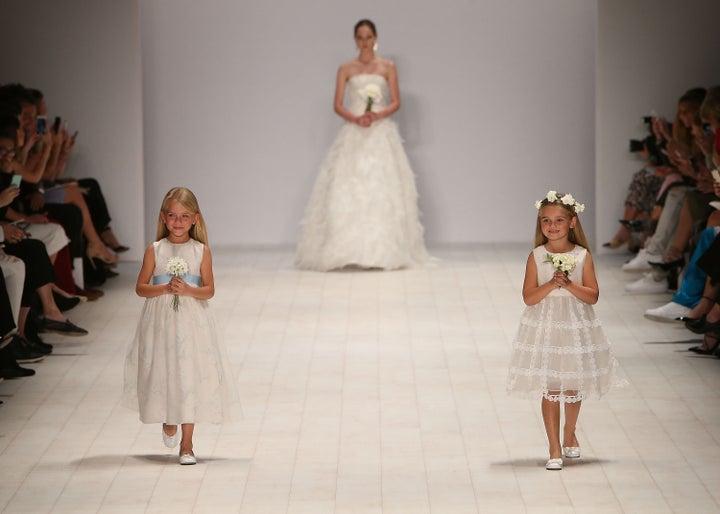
(194, 280)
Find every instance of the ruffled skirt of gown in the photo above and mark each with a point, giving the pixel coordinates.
(363, 208)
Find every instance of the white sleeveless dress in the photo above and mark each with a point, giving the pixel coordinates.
(560, 350)
(363, 208)
(177, 370)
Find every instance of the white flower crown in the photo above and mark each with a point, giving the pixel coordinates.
(565, 198)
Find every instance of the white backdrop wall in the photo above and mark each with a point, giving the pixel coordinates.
(649, 52)
(85, 57)
(497, 107)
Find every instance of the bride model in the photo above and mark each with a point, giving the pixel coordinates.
(363, 209)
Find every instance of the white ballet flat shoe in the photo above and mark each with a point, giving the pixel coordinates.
(188, 459)
(554, 464)
(171, 441)
(571, 452)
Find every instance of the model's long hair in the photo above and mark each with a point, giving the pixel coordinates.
(575, 236)
(186, 198)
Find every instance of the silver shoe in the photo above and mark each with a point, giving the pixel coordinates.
(188, 459)
(554, 464)
(171, 441)
(571, 452)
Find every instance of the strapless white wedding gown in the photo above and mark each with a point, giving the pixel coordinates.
(363, 209)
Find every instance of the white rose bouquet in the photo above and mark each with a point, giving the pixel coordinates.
(177, 267)
(564, 262)
(373, 93)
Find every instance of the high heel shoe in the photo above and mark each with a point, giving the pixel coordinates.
(707, 326)
(614, 243)
(707, 351)
(100, 254)
(692, 324)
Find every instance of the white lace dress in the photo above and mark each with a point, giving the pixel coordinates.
(177, 370)
(363, 208)
(560, 350)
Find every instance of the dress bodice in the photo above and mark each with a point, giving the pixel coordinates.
(192, 251)
(545, 270)
(360, 87)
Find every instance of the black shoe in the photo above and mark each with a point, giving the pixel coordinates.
(692, 324)
(9, 368)
(38, 343)
(707, 351)
(707, 326)
(667, 266)
(64, 303)
(16, 372)
(66, 327)
(43, 348)
(23, 351)
(110, 273)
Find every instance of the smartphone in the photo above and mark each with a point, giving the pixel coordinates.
(41, 124)
(65, 125)
(15, 180)
(56, 124)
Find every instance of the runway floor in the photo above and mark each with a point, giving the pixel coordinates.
(367, 392)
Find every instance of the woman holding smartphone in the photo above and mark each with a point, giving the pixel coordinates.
(363, 209)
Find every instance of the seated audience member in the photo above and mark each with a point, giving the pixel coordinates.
(678, 144)
(32, 162)
(39, 274)
(642, 195)
(708, 324)
(55, 174)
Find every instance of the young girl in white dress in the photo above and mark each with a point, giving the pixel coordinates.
(560, 351)
(363, 209)
(177, 371)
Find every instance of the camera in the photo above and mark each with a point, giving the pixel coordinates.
(651, 145)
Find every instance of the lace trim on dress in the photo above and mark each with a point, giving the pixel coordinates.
(563, 350)
(565, 398)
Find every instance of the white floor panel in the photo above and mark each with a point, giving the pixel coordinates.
(367, 392)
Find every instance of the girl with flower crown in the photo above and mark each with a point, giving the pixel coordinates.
(560, 352)
(176, 371)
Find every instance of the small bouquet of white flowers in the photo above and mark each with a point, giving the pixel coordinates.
(373, 93)
(176, 267)
(564, 262)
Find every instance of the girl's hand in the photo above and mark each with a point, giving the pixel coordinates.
(178, 286)
(560, 279)
(8, 194)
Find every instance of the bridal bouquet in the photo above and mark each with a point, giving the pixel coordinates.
(564, 262)
(373, 93)
(177, 267)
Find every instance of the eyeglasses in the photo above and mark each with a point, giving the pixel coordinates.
(6, 151)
